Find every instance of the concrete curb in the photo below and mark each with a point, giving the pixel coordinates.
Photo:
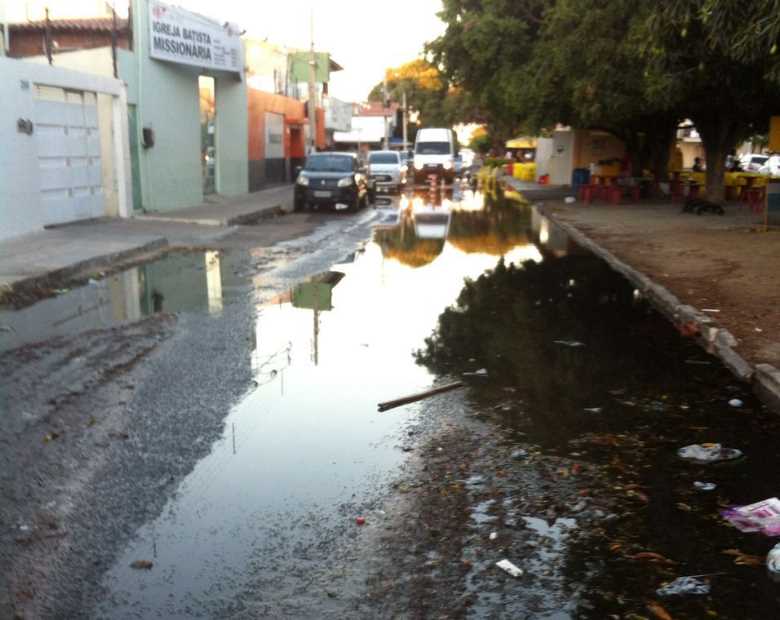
(715, 340)
(93, 263)
(250, 217)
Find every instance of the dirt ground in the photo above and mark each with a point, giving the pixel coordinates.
(711, 262)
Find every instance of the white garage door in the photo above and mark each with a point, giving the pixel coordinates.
(68, 143)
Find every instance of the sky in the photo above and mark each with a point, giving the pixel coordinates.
(363, 36)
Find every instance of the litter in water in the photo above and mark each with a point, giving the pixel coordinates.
(493, 536)
(593, 409)
(763, 516)
(684, 585)
(773, 563)
(708, 453)
(390, 404)
(508, 567)
(482, 372)
(569, 343)
(704, 486)
(735, 402)
(142, 565)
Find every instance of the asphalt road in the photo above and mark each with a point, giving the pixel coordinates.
(198, 437)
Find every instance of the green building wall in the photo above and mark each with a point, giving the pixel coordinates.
(167, 101)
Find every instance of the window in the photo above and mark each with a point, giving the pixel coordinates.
(432, 148)
(383, 158)
(329, 163)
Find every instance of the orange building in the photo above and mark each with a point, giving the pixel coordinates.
(278, 129)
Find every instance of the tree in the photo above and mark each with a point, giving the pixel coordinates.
(427, 92)
(600, 85)
(727, 29)
(722, 90)
(483, 51)
(632, 67)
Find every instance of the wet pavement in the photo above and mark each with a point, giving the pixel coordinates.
(560, 456)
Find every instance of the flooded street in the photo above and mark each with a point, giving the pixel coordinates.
(250, 443)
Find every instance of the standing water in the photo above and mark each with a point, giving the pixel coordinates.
(580, 370)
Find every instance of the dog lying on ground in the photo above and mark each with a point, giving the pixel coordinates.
(699, 206)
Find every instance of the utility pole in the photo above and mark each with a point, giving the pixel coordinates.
(384, 112)
(312, 87)
(6, 49)
(114, 41)
(47, 36)
(406, 141)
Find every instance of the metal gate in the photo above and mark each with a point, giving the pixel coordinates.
(68, 146)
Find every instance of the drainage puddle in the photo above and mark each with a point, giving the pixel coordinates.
(252, 530)
(178, 282)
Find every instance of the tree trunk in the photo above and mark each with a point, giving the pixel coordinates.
(632, 142)
(662, 151)
(719, 137)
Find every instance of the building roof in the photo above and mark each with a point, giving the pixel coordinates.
(91, 24)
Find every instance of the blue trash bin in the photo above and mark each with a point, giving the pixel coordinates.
(579, 177)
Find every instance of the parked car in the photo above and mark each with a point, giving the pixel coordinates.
(435, 151)
(386, 170)
(752, 162)
(332, 179)
(771, 166)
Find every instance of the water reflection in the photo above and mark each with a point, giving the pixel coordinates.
(175, 283)
(308, 445)
(620, 401)
(429, 222)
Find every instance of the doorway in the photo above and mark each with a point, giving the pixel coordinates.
(208, 132)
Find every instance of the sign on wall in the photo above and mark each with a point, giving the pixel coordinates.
(338, 114)
(187, 38)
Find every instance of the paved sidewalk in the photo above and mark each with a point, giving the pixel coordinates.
(715, 276)
(61, 252)
(230, 211)
(535, 192)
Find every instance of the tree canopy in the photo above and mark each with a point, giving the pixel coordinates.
(633, 67)
(428, 93)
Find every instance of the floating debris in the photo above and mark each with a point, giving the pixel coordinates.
(704, 486)
(773, 563)
(391, 404)
(763, 516)
(569, 343)
(684, 585)
(508, 567)
(708, 453)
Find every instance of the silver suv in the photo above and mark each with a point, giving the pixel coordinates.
(386, 170)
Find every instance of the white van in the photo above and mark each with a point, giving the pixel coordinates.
(435, 152)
